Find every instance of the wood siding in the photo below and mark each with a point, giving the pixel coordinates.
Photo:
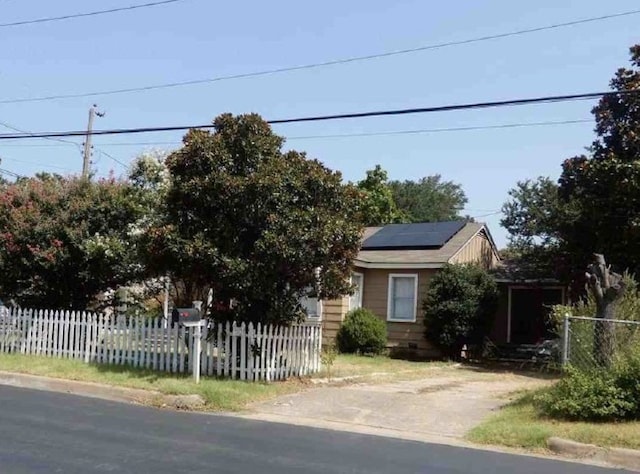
(333, 312)
(477, 250)
(375, 297)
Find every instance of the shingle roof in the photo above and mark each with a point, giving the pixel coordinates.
(439, 255)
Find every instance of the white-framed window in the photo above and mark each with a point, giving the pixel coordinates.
(402, 298)
(355, 300)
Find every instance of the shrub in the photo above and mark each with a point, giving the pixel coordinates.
(362, 332)
(597, 395)
(586, 396)
(459, 307)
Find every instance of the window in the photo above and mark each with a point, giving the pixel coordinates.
(355, 300)
(311, 306)
(403, 292)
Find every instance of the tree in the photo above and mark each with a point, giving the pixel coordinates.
(428, 200)
(378, 207)
(607, 288)
(459, 307)
(254, 223)
(64, 240)
(596, 203)
(533, 218)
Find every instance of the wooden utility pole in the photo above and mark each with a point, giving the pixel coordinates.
(86, 161)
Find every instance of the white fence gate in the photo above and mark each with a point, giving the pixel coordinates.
(239, 351)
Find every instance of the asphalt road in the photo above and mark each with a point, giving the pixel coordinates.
(51, 432)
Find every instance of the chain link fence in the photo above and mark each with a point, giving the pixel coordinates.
(590, 343)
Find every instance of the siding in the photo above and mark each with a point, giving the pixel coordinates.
(374, 298)
(477, 250)
(333, 312)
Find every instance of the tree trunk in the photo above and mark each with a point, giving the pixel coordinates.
(607, 288)
(603, 336)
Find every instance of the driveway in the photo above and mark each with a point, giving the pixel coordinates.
(447, 404)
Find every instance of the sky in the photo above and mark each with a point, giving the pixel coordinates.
(197, 39)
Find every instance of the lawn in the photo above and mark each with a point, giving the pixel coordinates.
(520, 425)
(219, 394)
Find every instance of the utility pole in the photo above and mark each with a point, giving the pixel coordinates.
(86, 162)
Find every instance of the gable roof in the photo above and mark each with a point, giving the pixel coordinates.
(433, 257)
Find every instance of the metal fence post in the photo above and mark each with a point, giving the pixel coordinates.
(565, 340)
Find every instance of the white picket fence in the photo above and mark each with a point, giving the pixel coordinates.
(238, 351)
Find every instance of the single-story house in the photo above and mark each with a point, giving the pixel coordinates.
(392, 272)
(524, 304)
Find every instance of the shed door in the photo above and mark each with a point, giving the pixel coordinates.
(529, 313)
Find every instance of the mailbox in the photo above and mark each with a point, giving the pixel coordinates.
(185, 315)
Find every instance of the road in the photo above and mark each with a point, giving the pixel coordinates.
(45, 432)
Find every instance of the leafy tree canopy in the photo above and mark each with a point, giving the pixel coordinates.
(253, 222)
(594, 206)
(378, 207)
(430, 199)
(64, 240)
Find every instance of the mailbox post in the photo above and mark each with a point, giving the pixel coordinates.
(191, 318)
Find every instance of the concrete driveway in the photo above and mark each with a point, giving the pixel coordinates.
(447, 404)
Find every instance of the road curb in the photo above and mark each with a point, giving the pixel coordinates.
(620, 457)
(102, 391)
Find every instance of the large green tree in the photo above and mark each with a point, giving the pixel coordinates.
(430, 199)
(254, 223)
(64, 240)
(378, 204)
(594, 206)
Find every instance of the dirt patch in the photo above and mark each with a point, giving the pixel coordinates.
(440, 388)
(445, 404)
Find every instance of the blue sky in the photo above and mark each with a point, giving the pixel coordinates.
(200, 38)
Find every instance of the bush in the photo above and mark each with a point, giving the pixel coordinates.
(460, 307)
(598, 394)
(362, 332)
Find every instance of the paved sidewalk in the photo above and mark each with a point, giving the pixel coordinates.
(443, 405)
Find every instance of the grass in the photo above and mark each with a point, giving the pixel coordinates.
(351, 365)
(520, 425)
(219, 394)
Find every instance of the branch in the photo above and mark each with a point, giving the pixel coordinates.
(594, 282)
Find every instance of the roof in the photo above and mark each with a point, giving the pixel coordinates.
(523, 272)
(425, 258)
(419, 236)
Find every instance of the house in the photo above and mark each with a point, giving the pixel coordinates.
(392, 272)
(524, 305)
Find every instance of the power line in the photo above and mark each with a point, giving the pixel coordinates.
(86, 14)
(487, 215)
(439, 130)
(348, 135)
(124, 165)
(37, 164)
(379, 113)
(10, 173)
(16, 129)
(334, 62)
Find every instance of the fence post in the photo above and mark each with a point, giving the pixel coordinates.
(565, 340)
(197, 344)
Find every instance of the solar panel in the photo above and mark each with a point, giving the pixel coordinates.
(424, 235)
